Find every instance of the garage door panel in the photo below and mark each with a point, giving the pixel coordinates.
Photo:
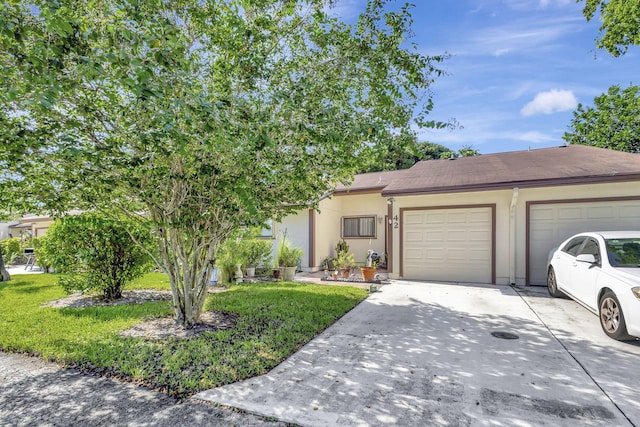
(632, 212)
(415, 237)
(600, 212)
(414, 219)
(434, 218)
(550, 224)
(570, 213)
(456, 245)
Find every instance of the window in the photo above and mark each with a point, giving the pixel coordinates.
(573, 246)
(591, 247)
(268, 232)
(361, 226)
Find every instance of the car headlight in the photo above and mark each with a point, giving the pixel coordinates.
(636, 291)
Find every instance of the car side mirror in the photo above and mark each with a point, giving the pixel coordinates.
(588, 258)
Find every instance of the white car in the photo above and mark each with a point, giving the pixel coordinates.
(601, 271)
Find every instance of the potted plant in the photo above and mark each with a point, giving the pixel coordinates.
(344, 263)
(288, 258)
(256, 252)
(371, 266)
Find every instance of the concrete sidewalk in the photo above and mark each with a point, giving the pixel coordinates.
(423, 354)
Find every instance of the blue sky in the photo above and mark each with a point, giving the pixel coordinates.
(518, 68)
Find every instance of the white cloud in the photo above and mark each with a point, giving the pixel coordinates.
(549, 102)
(535, 137)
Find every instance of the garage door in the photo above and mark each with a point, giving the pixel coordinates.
(452, 245)
(550, 224)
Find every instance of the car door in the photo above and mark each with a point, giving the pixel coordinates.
(584, 275)
(564, 260)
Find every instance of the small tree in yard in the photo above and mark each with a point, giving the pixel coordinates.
(206, 115)
(96, 253)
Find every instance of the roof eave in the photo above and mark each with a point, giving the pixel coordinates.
(553, 182)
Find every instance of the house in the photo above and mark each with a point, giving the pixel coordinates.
(29, 225)
(489, 219)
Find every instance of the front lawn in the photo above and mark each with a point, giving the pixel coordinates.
(275, 319)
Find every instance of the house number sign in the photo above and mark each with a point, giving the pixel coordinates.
(395, 222)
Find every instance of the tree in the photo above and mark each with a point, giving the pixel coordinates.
(404, 152)
(96, 253)
(620, 23)
(613, 122)
(201, 117)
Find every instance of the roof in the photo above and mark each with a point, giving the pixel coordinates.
(371, 182)
(573, 164)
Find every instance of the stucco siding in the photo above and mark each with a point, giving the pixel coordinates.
(364, 205)
(296, 228)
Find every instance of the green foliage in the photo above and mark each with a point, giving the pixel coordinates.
(273, 322)
(402, 152)
(44, 252)
(613, 122)
(257, 252)
(230, 254)
(288, 256)
(341, 247)
(11, 248)
(206, 116)
(620, 23)
(329, 263)
(345, 260)
(93, 252)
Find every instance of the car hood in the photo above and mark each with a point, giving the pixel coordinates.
(629, 275)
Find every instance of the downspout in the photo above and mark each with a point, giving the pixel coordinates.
(512, 236)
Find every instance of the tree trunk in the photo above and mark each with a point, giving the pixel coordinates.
(4, 274)
(189, 265)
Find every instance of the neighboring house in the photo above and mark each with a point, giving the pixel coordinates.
(28, 225)
(488, 219)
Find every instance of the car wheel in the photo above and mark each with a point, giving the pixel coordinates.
(552, 285)
(612, 318)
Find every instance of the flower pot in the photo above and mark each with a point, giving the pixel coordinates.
(345, 272)
(276, 273)
(251, 271)
(334, 275)
(288, 273)
(368, 273)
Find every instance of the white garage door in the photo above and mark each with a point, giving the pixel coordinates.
(453, 245)
(550, 224)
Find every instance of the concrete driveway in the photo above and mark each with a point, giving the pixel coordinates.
(423, 354)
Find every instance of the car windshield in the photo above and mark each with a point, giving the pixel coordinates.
(624, 252)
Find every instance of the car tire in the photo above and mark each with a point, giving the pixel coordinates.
(612, 318)
(552, 284)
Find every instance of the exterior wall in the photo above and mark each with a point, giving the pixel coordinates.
(511, 258)
(327, 230)
(40, 227)
(4, 229)
(363, 205)
(297, 229)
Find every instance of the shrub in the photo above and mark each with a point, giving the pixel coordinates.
(288, 256)
(257, 252)
(93, 252)
(12, 248)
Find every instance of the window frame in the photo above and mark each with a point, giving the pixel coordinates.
(374, 219)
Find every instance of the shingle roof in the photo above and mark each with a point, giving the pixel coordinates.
(369, 182)
(573, 164)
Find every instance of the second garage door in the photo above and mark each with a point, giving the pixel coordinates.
(453, 244)
(552, 223)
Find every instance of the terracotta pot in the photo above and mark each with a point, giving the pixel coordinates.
(368, 273)
(345, 272)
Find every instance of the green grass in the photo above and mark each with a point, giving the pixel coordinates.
(275, 319)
